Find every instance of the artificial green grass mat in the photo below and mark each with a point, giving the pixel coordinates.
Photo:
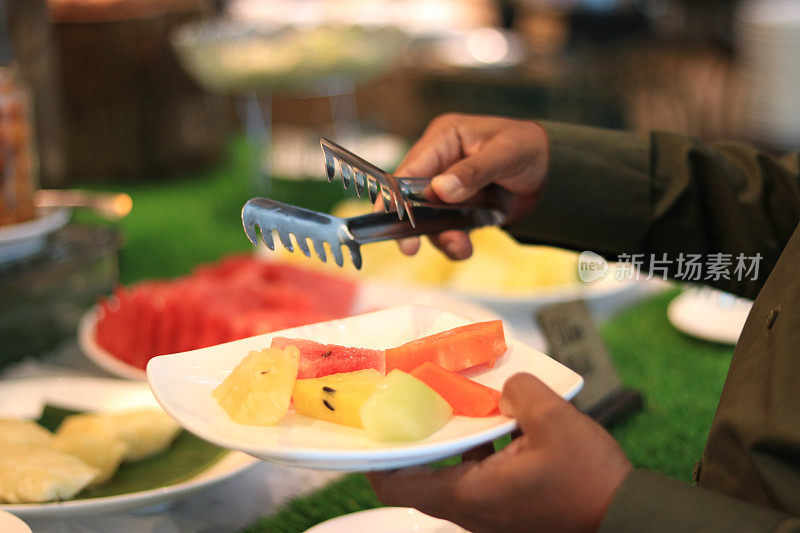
(179, 223)
(343, 496)
(186, 457)
(681, 379)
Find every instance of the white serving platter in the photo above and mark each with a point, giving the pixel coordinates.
(25, 398)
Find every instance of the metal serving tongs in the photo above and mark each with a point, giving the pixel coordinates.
(400, 197)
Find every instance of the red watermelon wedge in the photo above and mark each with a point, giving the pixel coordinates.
(317, 360)
(237, 297)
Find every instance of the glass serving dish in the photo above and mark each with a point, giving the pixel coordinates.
(43, 297)
(242, 56)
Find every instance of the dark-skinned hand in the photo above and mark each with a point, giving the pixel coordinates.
(559, 475)
(465, 153)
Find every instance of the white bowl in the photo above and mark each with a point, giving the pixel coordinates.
(386, 520)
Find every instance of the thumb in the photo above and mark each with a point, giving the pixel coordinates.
(466, 177)
(532, 403)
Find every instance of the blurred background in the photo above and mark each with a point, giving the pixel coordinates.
(192, 106)
(133, 88)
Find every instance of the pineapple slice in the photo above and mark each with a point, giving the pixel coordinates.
(142, 433)
(23, 434)
(336, 398)
(259, 389)
(404, 408)
(92, 441)
(146, 432)
(42, 475)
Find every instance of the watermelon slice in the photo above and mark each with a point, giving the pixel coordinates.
(454, 349)
(237, 297)
(466, 397)
(317, 360)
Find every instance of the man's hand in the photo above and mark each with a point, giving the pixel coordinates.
(465, 153)
(560, 475)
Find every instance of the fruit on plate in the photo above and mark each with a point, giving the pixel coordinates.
(85, 450)
(454, 349)
(318, 360)
(238, 297)
(336, 398)
(42, 475)
(259, 389)
(466, 397)
(404, 408)
(23, 434)
(89, 438)
(143, 432)
(99, 448)
(146, 432)
(501, 266)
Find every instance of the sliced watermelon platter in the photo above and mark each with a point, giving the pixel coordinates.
(238, 297)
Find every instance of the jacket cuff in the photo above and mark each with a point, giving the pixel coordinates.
(647, 501)
(596, 194)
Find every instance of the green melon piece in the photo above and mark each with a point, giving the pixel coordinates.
(404, 408)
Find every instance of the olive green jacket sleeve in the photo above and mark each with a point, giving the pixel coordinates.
(662, 193)
(647, 501)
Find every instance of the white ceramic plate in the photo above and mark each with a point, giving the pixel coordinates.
(709, 314)
(182, 384)
(27, 238)
(387, 520)
(371, 296)
(11, 524)
(25, 398)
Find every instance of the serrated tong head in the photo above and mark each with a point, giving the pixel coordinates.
(261, 216)
(364, 176)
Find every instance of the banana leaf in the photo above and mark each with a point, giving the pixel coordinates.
(187, 457)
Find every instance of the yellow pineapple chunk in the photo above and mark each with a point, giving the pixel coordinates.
(142, 432)
(336, 398)
(146, 432)
(41, 475)
(93, 442)
(259, 389)
(23, 434)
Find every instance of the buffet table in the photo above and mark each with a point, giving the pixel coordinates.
(178, 224)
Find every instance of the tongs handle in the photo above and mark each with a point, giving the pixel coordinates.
(430, 220)
(415, 189)
(419, 193)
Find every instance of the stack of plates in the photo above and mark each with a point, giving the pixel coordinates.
(769, 40)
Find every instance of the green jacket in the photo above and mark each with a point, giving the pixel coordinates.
(662, 193)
